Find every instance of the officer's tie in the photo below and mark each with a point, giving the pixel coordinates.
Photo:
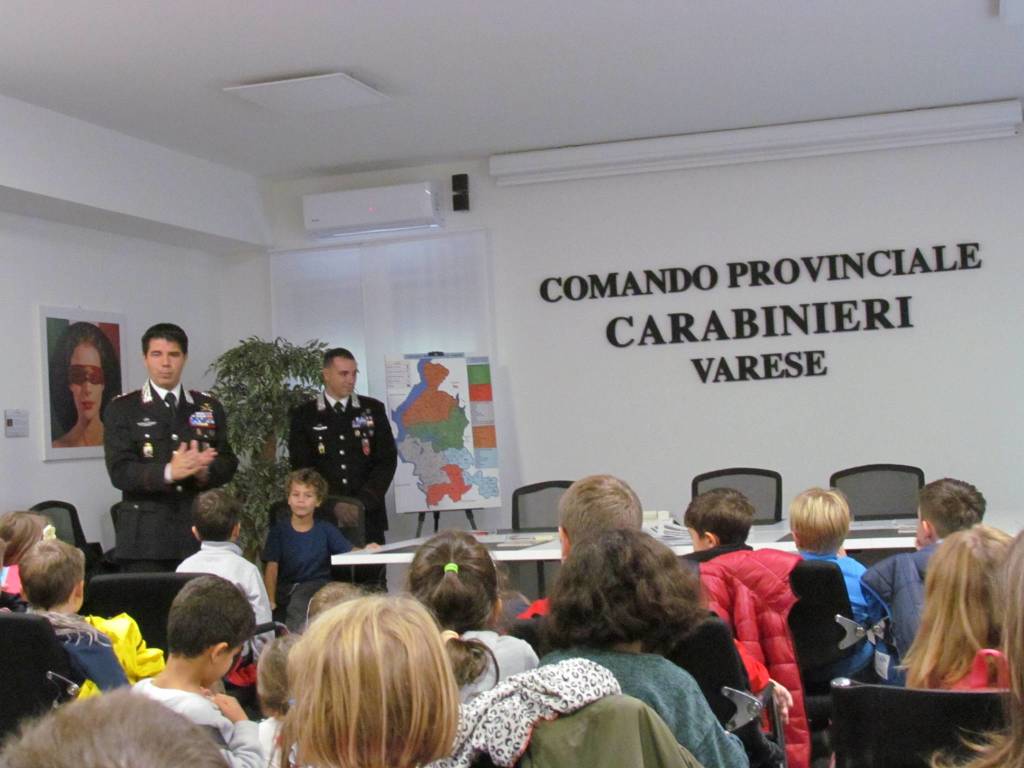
(338, 407)
(172, 403)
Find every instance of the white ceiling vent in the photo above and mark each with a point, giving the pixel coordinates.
(307, 95)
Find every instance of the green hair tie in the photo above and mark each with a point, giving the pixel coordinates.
(451, 568)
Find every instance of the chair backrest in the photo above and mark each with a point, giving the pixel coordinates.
(880, 491)
(65, 520)
(535, 506)
(763, 487)
(709, 655)
(146, 597)
(28, 650)
(884, 726)
(821, 596)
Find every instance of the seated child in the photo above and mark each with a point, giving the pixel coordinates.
(117, 729)
(454, 576)
(208, 623)
(620, 600)
(957, 645)
(372, 686)
(298, 550)
(272, 687)
(897, 582)
(331, 594)
(216, 526)
(20, 530)
(1001, 750)
(53, 581)
(819, 521)
(749, 590)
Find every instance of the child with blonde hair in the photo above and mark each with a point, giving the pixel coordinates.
(373, 688)
(819, 519)
(1006, 749)
(957, 644)
(273, 690)
(454, 576)
(19, 531)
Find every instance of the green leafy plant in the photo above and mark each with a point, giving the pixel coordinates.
(259, 382)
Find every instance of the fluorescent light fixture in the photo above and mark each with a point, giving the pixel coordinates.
(920, 127)
(308, 95)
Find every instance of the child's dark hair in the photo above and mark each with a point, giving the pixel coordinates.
(215, 515)
(725, 512)
(951, 505)
(454, 576)
(309, 477)
(208, 610)
(620, 587)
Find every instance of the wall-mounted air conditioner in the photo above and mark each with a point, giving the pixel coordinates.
(372, 211)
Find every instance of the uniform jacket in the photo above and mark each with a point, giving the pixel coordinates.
(354, 451)
(154, 519)
(750, 591)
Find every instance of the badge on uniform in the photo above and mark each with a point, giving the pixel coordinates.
(369, 421)
(366, 446)
(320, 448)
(358, 422)
(202, 420)
(147, 450)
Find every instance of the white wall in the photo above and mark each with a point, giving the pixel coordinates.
(216, 299)
(944, 395)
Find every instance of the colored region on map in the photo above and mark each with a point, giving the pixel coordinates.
(453, 489)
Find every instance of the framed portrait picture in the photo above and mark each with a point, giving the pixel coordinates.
(82, 352)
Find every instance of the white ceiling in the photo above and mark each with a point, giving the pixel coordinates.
(469, 78)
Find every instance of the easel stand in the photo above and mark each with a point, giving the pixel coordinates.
(421, 516)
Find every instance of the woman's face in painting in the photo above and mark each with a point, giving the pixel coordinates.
(85, 374)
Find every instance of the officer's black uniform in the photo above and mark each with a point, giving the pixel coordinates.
(354, 451)
(154, 519)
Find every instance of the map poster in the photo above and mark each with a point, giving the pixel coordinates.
(443, 409)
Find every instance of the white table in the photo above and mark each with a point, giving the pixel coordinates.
(507, 547)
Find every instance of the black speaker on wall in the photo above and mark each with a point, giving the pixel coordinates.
(460, 192)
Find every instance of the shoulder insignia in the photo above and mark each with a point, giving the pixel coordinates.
(123, 395)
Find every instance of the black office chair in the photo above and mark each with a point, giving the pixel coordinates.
(64, 517)
(146, 597)
(819, 639)
(709, 655)
(535, 508)
(763, 487)
(34, 667)
(880, 491)
(882, 726)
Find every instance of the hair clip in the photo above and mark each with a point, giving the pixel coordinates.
(451, 568)
(49, 533)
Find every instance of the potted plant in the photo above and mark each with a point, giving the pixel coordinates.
(259, 382)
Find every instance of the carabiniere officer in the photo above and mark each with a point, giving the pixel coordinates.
(347, 438)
